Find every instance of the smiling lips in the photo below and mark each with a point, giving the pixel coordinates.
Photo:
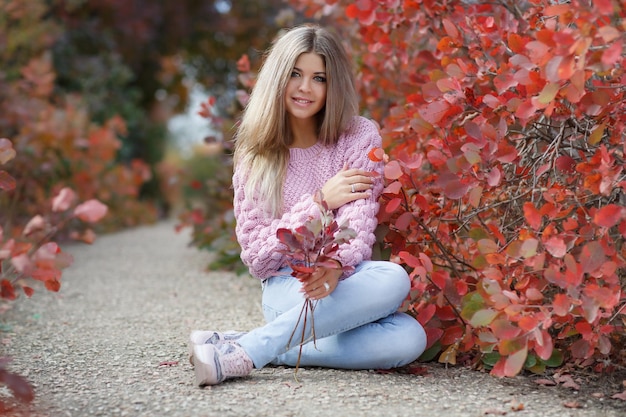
(301, 100)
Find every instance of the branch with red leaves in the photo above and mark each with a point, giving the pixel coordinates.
(313, 245)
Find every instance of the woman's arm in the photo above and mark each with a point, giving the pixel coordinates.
(361, 214)
(256, 230)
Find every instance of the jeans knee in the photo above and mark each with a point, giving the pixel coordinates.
(397, 278)
(414, 342)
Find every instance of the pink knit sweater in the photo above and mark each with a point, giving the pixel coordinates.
(307, 172)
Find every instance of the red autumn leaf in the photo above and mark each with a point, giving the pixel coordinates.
(28, 291)
(561, 304)
(393, 170)
(604, 6)
(450, 28)
(6, 290)
(409, 259)
(433, 334)
(440, 278)
(612, 54)
(504, 330)
(52, 285)
(393, 205)
(426, 313)
(393, 188)
(565, 164)
(556, 246)
(455, 189)
(404, 220)
(532, 215)
(376, 154)
(434, 111)
(7, 182)
(544, 350)
(608, 216)
(19, 386)
(91, 211)
(63, 200)
(35, 224)
(514, 363)
(592, 256)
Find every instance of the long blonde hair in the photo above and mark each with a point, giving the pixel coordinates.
(263, 136)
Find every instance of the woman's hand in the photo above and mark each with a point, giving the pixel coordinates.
(346, 186)
(322, 282)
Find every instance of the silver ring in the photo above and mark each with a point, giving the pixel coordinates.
(353, 190)
(327, 286)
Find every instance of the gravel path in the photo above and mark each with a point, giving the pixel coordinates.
(113, 342)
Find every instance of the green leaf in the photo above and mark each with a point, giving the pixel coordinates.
(555, 360)
(483, 317)
(431, 353)
(490, 359)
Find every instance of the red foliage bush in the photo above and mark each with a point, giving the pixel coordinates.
(504, 128)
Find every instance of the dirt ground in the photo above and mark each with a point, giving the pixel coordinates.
(113, 342)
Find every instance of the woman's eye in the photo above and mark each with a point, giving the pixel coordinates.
(295, 74)
(320, 79)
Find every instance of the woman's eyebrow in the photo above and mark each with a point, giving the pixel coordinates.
(318, 72)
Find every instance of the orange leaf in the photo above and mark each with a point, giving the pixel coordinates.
(532, 215)
(561, 305)
(449, 355)
(376, 154)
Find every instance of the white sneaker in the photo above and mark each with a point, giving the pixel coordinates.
(201, 337)
(215, 363)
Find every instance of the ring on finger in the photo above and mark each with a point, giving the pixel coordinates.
(352, 188)
(327, 286)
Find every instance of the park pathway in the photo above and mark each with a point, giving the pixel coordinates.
(113, 342)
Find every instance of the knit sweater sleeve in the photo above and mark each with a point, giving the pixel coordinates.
(256, 229)
(360, 215)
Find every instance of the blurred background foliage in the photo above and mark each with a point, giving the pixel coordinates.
(88, 87)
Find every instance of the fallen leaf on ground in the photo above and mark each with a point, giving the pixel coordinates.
(567, 381)
(572, 404)
(621, 396)
(544, 381)
(517, 405)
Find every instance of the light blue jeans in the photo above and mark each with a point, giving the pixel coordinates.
(357, 326)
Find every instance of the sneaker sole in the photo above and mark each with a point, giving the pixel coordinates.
(205, 374)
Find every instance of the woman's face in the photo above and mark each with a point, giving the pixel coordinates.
(306, 90)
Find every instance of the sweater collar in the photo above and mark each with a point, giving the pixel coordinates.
(303, 154)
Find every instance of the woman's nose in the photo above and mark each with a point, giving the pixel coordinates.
(305, 85)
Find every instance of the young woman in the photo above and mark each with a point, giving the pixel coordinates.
(300, 133)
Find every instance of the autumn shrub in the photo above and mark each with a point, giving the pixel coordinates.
(29, 255)
(57, 166)
(503, 126)
(503, 139)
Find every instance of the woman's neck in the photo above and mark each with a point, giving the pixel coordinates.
(304, 133)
